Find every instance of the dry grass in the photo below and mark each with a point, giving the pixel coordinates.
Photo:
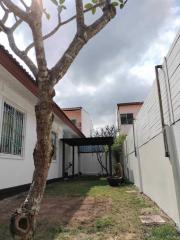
(89, 209)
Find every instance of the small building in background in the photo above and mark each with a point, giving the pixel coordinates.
(80, 118)
(126, 112)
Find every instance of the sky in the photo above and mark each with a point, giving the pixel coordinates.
(117, 65)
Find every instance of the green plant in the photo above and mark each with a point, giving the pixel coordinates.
(164, 232)
(117, 153)
(118, 143)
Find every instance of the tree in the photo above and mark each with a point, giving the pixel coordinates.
(107, 131)
(23, 220)
(117, 148)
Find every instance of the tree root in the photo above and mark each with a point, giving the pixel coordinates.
(22, 225)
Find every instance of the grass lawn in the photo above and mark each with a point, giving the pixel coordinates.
(89, 209)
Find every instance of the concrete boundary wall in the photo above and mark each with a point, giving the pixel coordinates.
(146, 164)
(89, 164)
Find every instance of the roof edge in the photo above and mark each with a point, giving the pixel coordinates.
(14, 68)
(72, 108)
(129, 103)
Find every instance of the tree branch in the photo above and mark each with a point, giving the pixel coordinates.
(5, 17)
(15, 49)
(16, 10)
(25, 6)
(6, 13)
(61, 67)
(16, 25)
(21, 54)
(36, 27)
(52, 32)
(10, 35)
(79, 15)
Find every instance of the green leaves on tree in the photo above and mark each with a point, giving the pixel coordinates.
(55, 2)
(119, 3)
(48, 16)
(115, 4)
(60, 6)
(93, 5)
(88, 5)
(94, 10)
(61, 2)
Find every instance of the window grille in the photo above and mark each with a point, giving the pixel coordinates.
(54, 143)
(12, 133)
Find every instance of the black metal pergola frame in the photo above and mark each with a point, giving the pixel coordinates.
(92, 141)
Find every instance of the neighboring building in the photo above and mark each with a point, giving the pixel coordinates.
(18, 96)
(126, 112)
(80, 118)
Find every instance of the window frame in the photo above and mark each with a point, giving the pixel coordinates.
(20, 109)
(126, 116)
(56, 147)
(74, 121)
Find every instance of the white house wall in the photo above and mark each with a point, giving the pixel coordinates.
(152, 172)
(15, 171)
(89, 164)
(86, 123)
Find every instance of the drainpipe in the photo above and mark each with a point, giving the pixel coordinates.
(161, 109)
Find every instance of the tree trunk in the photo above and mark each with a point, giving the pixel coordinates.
(23, 220)
(99, 158)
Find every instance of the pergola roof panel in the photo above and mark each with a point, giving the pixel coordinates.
(89, 141)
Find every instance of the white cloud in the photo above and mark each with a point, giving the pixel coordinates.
(118, 64)
(158, 49)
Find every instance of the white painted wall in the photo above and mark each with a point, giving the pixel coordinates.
(89, 164)
(157, 176)
(14, 170)
(153, 173)
(86, 123)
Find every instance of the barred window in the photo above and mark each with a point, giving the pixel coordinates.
(12, 132)
(54, 143)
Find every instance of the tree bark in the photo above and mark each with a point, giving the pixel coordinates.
(23, 220)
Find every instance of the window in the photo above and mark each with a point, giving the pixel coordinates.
(126, 118)
(73, 121)
(12, 133)
(54, 143)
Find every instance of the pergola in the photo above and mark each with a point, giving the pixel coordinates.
(92, 141)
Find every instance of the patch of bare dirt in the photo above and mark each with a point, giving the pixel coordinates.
(125, 236)
(72, 211)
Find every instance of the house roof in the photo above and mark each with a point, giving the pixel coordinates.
(13, 67)
(71, 108)
(129, 103)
